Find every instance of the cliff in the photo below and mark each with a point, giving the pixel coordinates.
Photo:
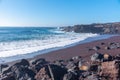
(101, 28)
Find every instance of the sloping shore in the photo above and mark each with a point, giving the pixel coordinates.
(97, 60)
(82, 50)
(77, 50)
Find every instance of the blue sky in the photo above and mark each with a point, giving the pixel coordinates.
(58, 12)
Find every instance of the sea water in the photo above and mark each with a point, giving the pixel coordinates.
(15, 42)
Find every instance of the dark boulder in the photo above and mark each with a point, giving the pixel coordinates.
(4, 65)
(71, 76)
(57, 71)
(22, 73)
(90, 49)
(36, 61)
(6, 71)
(37, 64)
(43, 74)
(111, 43)
(102, 43)
(94, 68)
(51, 72)
(23, 62)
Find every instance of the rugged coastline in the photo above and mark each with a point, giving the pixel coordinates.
(100, 28)
(74, 63)
(96, 60)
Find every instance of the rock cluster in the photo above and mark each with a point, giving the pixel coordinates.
(100, 67)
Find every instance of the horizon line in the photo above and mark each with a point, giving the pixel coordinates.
(65, 25)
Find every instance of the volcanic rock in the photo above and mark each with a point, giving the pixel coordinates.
(110, 70)
(43, 74)
(23, 62)
(51, 72)
(71, 76)
(96, 48)
(97, 57)
(37, 64)
(20, 71)
(71, 66)
(107, 48)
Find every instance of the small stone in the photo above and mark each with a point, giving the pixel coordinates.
(102, 43)
(96, 48)
(107, 48)
(76, 57)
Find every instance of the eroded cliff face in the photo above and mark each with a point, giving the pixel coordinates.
(106, 28)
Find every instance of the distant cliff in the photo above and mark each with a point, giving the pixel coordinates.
(105, 28)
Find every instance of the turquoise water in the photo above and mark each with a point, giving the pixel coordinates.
(24, 40)
(27, 33)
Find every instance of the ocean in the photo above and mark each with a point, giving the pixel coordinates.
(24, 42)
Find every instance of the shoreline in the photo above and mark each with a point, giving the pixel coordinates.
(47, 51)
(76, 50)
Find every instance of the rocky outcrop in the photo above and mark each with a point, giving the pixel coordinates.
(106, 28)
(97, 69)
(19, 71)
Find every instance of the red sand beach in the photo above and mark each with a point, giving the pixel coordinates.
(82, 50)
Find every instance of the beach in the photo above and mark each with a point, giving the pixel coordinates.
(78, 62)
(82, 50)
(59, 40)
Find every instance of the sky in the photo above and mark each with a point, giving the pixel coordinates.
(58, 12)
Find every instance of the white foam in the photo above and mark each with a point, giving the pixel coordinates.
(8, 49)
